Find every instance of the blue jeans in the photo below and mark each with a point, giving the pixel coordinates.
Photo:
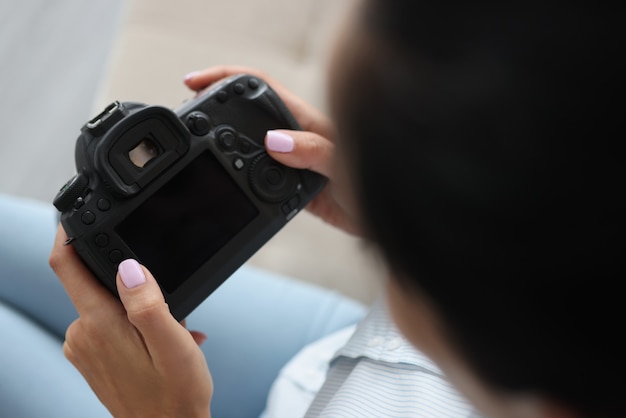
(255, 322)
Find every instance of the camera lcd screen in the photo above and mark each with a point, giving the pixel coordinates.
(187, 221)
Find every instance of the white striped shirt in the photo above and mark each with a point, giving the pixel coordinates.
(374, 373)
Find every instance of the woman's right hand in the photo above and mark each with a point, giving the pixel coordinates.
(312, 148)
(138, 359)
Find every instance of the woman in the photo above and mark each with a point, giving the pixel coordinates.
(456, 153)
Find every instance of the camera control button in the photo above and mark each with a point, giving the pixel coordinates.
(103, 205)
(198, 123)
(88, 217)
(247, 146)
(253, 83)
(102, 240)
(238, 164)
(273, 176)
(115, 256)
(239, 88)
(291, 205)
(294, 202)
(79, 203)
(227, 140)
(222, 96)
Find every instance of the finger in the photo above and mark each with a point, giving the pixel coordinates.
(146, 309)
(198, 80)
(198, 337)
(309, 118)
(85, 291)
(300, 149)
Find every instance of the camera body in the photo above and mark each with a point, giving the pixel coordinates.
(190, 193)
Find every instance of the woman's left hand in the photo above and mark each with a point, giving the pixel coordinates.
(138, 359)
(312, 147)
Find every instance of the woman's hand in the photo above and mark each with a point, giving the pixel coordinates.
(312, 148)
(136, 357)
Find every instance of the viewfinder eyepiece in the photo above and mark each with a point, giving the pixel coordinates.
(144, 152)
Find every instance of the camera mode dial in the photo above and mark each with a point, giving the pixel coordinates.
(71, 192)
(272, 181)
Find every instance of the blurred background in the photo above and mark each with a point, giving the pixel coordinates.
(62, 61)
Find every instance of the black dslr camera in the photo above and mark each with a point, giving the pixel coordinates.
(189, 193)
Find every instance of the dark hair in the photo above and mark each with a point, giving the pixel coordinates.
(484, 145)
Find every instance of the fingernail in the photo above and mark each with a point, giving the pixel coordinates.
(191, 75)
(279, 141)
(131, 273)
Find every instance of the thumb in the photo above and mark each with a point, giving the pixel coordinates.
(146, 309)
(301, 149)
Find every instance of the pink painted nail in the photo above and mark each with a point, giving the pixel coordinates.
(131, 273)
(191, 75)
(279, 142)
